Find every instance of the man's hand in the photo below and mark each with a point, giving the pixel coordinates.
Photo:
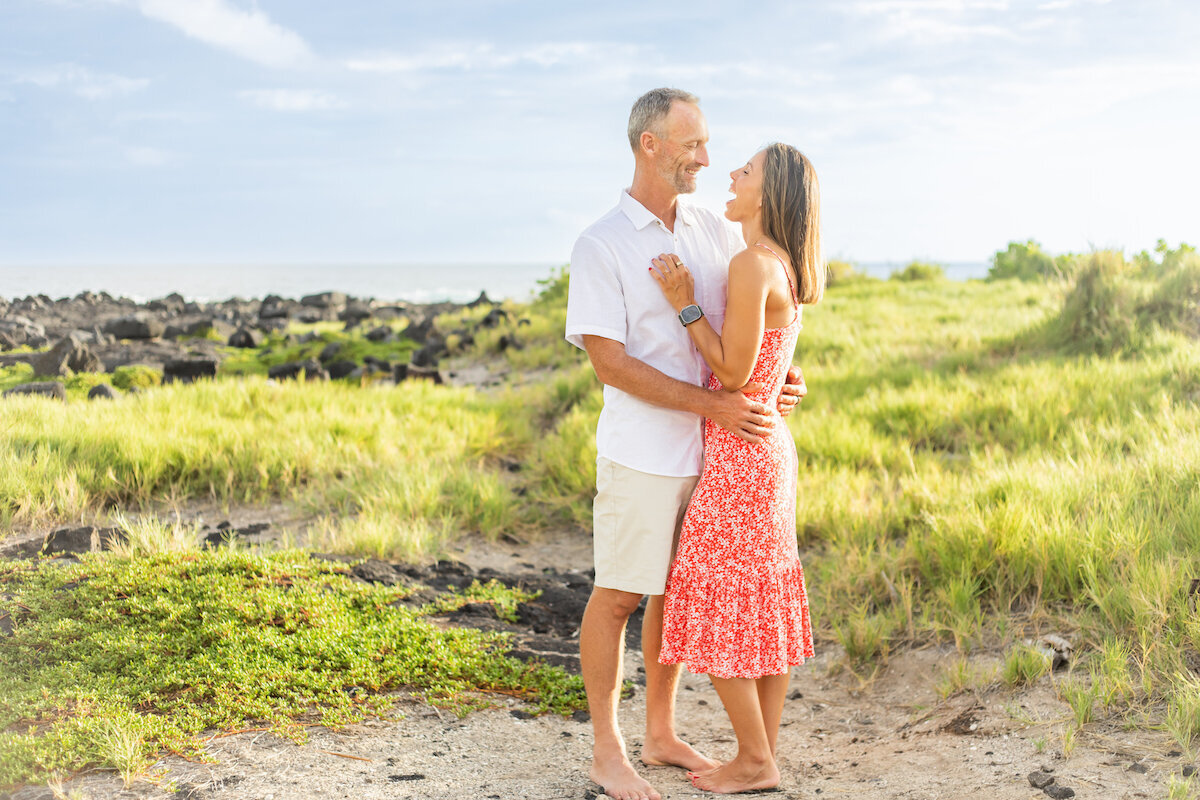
(794, 389)
(738, 414)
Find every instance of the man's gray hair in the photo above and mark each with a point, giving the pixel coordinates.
(651, 109)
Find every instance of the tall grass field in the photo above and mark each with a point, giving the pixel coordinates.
(980, 462)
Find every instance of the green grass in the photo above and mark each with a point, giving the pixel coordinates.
(143, 654)
(979, 461)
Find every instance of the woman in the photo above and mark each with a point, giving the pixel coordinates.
(736, 606)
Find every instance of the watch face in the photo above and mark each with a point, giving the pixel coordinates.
(690, 314)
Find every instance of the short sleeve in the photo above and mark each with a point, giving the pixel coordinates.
(595, 299)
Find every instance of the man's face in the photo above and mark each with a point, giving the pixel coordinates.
(683, 151)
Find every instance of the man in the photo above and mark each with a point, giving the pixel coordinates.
(649, 437)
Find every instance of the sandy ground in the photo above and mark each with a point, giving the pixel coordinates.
(889, 738)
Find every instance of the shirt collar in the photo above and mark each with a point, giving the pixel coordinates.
(641, 216)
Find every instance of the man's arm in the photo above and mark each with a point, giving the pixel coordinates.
(733, 411)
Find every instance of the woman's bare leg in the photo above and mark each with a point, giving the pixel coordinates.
(772, 693)
(754, 765)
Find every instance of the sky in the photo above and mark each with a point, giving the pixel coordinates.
(389, 131)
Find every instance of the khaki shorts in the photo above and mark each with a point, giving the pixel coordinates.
(635, 526)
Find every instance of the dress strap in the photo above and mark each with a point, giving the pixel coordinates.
(787, 273)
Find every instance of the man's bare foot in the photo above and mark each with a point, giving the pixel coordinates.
(620, 780)
(738, 776)
(675, 753)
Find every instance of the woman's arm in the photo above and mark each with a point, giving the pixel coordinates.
(731, 355)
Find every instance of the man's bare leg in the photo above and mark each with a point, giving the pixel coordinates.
(601, 648)
(663, 747)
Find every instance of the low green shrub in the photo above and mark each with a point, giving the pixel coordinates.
(135, 376)
(1099, 312)
(839, 273)
(113, 659)
(919, 271)
(1175, 304)
(1025, 261)
(1163, 260)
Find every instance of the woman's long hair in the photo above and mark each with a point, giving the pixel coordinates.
(791, 216)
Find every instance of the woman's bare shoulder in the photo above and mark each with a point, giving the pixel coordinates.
(753, 262)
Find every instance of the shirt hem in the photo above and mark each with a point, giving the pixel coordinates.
(576, 333)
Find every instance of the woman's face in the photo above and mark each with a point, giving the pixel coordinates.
(747, 189)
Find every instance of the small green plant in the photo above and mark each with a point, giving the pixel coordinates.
(865, 637)
(1111, 674)
(1039, 745)
(1183, 716)
(958, 610)
(1081, 699)
(150, 535)
(1023, 665)
(1070, 738)
(125, 748)
(1181, 788)
(955, 678)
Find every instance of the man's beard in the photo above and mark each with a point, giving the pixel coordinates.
(681, 181)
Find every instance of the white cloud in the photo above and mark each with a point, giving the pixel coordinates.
(147, 156)
(82, 81)
(483, 55)
(290, 99)
(1090, 89)
(249, 34)
(873, 7)
(1057, 5)
(931, 21)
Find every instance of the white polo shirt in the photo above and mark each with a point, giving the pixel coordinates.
(612, 294)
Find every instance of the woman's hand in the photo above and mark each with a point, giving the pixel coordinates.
(674, 279)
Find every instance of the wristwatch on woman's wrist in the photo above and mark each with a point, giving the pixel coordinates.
(689, 314)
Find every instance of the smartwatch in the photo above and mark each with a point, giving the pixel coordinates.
(690, 314)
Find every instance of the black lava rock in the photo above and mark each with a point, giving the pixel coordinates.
(52, 389)
(102, 391)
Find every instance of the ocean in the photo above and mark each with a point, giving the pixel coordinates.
(417, 283)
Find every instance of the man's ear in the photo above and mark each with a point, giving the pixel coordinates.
(648, 142)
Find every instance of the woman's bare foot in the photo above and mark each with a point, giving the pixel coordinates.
(694, 773)
(739, 775)
(620, 781)
(675, 753)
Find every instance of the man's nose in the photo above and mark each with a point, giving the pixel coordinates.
(702, 156)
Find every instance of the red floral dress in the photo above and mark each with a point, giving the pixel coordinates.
(736, 605)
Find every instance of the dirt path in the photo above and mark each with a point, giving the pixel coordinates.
(892, 738)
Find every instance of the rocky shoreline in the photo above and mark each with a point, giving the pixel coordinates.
(185, 340)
